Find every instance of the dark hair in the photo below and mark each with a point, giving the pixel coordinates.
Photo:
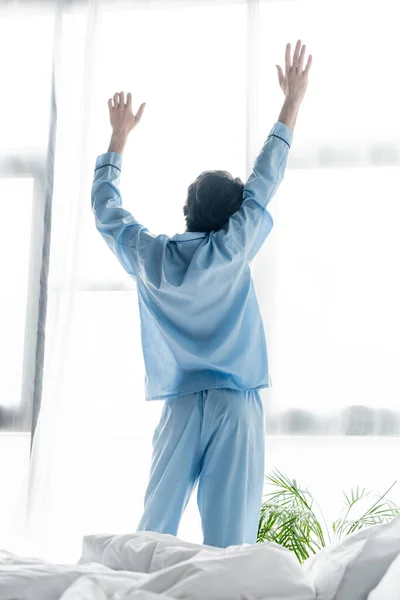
(212, 198)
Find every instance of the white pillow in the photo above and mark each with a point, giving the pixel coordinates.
(389, 586)
(258, 571)
(144, 551)
(183, 570)
(352, 568)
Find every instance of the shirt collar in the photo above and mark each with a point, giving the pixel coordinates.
(188, 235)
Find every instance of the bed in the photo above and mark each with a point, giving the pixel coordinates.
(152, 566)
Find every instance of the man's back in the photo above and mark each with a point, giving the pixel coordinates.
(202, 333)
(201, 324)
(201, 327)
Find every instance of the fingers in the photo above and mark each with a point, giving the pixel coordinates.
(287, 58)
(301, 58)
(308, 65)
(119, 100)
(298, 59)
(280, 74)
(140, 111)
(296, 54)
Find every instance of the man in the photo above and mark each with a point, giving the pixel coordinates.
(202, 333)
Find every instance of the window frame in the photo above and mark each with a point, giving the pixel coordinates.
(33, 165)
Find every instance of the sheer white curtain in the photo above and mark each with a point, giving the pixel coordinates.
(92, 446)
(326, 278)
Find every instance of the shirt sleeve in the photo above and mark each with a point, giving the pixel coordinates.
(125, 237)
(246, 230)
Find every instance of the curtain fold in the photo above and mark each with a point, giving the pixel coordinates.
(49, 184)
(92, 445)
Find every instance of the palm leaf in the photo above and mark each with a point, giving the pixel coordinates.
(287, 516)
(379, 512)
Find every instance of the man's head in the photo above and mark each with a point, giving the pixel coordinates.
(212, 198)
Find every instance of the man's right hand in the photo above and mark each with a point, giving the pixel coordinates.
(294, 81)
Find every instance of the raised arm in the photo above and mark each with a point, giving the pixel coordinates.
(120, 230)
(248, 227)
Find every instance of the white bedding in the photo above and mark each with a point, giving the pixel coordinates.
(33, 579)
(151, 566)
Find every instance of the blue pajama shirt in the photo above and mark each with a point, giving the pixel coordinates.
(203, 345)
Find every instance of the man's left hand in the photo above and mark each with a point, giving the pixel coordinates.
(122, 118)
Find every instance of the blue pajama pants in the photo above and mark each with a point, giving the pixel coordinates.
(214, 438)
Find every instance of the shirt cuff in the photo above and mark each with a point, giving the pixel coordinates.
(282, 131)
(109, 158)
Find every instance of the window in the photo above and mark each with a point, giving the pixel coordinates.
(15, 249)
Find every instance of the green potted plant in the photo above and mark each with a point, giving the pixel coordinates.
(291, 517)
